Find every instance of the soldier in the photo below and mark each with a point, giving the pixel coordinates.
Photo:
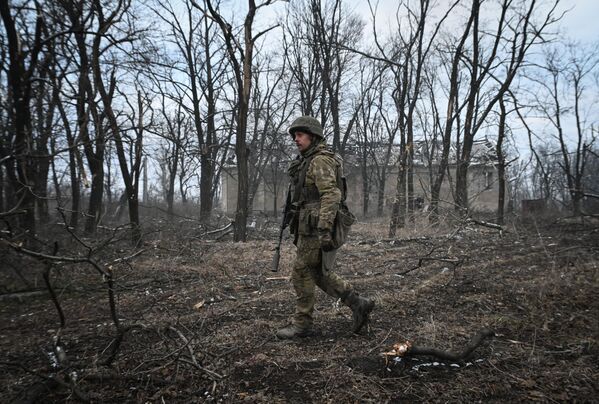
(317, 194)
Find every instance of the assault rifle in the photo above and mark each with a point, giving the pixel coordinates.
(287, 217)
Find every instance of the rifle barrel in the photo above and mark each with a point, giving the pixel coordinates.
(275, 259)
(277, 256)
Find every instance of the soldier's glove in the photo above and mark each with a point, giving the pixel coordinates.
(326, 240)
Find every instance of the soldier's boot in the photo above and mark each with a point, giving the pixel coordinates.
(361, 308)
(294, 331)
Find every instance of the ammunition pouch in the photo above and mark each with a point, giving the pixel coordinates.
(344, 219)
(308, 219)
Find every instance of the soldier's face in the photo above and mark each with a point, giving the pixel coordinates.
(302, 140)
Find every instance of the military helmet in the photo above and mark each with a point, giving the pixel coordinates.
(306, 124)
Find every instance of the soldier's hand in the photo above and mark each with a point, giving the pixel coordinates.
(326, 240)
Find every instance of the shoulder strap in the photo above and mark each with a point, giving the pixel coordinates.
(301, 178)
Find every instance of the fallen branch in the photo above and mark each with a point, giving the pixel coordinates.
(595, 196)
(58, 259)
(227, 227)
(454, 261)
(125, 259)
(22, 294)
(450, 260)
(278, 278)
(394, 241)
(486, 224)
(399, 241)
(405, 349)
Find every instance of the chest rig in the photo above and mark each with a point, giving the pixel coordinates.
(305, 204)
(304, 194)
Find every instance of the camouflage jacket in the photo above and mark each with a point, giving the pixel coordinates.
(317, 198)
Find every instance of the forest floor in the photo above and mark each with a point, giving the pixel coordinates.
(204, 315)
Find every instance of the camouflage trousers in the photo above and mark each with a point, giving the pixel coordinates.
(307, 273)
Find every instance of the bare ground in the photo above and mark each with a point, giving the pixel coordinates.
(205, 313)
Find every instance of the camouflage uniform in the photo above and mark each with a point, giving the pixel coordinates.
(315, 215)
(317, 206)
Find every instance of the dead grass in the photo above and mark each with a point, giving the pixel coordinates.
(536, 287)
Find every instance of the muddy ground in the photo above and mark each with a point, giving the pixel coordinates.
(204, 313)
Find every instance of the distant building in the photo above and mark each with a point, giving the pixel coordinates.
(482, 179)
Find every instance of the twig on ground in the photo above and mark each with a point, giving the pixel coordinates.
(450, 260)
(194, 362)
(209, 372)
(380, 343)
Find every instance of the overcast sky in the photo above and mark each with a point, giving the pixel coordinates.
(579, 23)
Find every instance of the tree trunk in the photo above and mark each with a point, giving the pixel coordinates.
(45, 120)
(449, 118)
(501, 163)
(365, 188)
(398, 218)
(380, 201)
(145, 197)
(2, 189)
(74, 177)
(463, 160)
(241, 152)
(85, 95)
(19, 88)
(170, 194)
(94, 209)
(209, 151)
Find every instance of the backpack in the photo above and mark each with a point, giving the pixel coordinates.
(344, 219)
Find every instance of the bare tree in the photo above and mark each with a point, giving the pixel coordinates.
(516, 31)
(202, 66)
(241, 58)
(409, 50)
(94, 143)
(176, 135)
(301, 58)
(568, 71)
(270, 110)
(106, 92)
(174, 131)
(60, 81)
(370, 132)
(333, 26)
(23, 54)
